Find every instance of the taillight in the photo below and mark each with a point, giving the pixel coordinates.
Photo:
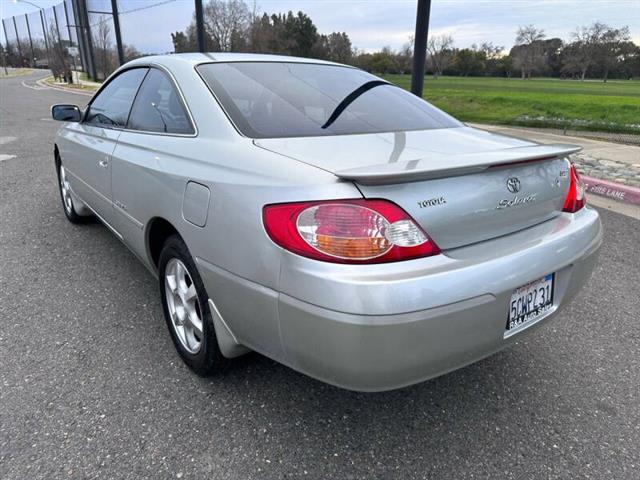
(576, 197)
(347, 231)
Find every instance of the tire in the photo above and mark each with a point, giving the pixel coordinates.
(65, 196)
(185, 306)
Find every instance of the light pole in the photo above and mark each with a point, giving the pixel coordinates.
(200, 26)
(420, 46)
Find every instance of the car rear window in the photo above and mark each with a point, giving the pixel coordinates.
(276, 100)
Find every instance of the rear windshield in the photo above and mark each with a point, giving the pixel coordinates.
(275, 100)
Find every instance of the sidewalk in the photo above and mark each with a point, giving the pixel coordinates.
(603, 160)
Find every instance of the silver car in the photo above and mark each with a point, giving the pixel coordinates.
(324, 217)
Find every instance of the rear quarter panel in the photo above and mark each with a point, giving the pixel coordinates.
(238, 262)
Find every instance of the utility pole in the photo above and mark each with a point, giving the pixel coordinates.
(420, 46)
(200, 26)
(116, 27)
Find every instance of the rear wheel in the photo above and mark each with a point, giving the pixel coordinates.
(65, 196)
(186, 309)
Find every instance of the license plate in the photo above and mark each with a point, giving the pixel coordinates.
(530, 302)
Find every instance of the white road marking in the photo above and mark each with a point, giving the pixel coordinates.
(6, 156)
(33, 87)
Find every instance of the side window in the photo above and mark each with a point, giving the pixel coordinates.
(112, 105)
(158, 107)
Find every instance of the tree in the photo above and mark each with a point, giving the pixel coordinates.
(574, 62)
(468, 62)
(59, 57)
(550, 62)
(505, 66)
(491, 51)
(527, 53)
(339, 47)
(597, 46)
(492, 55)
(382, 62)
(103, 48)
(611, 48)
(404, 58)
(361, 60)
(183, 42)
(440, 54)
(130, 52)
(268, 35)
(11, 57)
(301, 32)
(582, 52)
(226, 23)
(3, 58)
(296, 34)
(629, 64)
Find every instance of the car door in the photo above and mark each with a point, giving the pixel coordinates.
(88, 160)
(149, 160)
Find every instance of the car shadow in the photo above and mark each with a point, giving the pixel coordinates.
(470, 398)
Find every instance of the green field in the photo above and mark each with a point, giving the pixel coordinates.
(613, 106)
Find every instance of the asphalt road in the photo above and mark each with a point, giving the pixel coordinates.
(91, 386)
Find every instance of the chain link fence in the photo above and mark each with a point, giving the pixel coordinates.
(94, 36)
(46, 38)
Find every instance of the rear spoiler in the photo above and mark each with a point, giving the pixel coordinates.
(439, 165)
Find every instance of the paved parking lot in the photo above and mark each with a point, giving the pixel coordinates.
(91, 387)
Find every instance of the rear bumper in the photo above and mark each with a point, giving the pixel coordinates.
(466, 294)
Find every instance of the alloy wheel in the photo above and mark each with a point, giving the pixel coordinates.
(183, 305)
(65, 190)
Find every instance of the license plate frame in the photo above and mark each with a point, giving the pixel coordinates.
(530, 303)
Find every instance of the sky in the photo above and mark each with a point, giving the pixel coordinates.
(373, 24)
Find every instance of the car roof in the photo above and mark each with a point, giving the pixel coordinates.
(193, 59)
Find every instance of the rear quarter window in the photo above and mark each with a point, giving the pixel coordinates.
(158, 107)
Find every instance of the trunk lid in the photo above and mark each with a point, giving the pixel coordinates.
(461, 184)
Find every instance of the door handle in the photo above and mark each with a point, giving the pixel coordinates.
(104, 163)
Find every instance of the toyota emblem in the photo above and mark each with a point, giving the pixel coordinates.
(513, 185)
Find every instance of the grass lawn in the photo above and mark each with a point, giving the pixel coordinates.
(88, 88)
(14, 72)
(541, 102)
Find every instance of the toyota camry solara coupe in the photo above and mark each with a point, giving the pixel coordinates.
(324, 217)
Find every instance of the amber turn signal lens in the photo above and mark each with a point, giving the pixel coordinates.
(348, 231)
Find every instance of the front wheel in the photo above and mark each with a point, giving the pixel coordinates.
(186, 309)
(65, 195)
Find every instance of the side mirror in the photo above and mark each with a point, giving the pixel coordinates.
(66, 113)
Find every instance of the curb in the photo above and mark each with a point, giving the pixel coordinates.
(42, 83)
(616, 191)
